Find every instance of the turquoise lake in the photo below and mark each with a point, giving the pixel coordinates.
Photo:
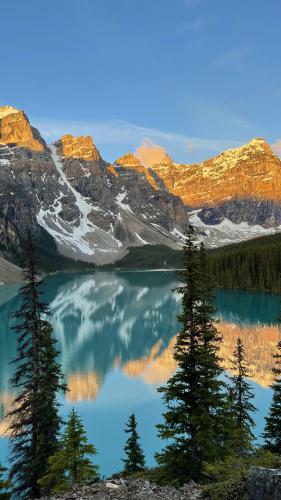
(116, 332)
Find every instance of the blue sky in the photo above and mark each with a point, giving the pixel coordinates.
(194, 76)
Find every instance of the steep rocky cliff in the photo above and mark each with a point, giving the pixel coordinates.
(232, 196)
(90, 209)
(16, 129)
(28, 179)
(251, 171)
(115, 207)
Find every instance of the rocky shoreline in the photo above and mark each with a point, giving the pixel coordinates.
(125, 489)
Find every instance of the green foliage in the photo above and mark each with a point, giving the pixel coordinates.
(233, 489)
(155, 475)
(236, 466)
(194, 398)
(220, 475)
(5, 485)
(226, 479)
(71, 465)
(240, 405)
(272, 432)
(134, 460)
(253, 265)
(35, 423)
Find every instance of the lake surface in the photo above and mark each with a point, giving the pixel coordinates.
(116, 332)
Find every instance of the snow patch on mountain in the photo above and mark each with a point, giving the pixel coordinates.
(84, 239)
(83, 205)
(142, 241)
(7, 155)
(227, 232)
(178, 234)
(119, 199)
(7, 110)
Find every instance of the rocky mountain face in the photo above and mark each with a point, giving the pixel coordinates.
(251, 171)
(16, 129)
(232, 196)
(91, 210)
(28, 178)
(71, 197)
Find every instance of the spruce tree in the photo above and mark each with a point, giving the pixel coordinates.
(5, 485)
(194, 395)
(272, 432)
(37, 379)
(71, 465)
(134, 460)
(242, 406)
(230, 435)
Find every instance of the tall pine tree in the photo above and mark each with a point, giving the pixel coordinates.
(242, 406)
(70, 464)
(272, 431)
(34, 419)
(194, 395)
(134, 460)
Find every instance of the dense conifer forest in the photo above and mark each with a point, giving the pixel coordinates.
(251, 265)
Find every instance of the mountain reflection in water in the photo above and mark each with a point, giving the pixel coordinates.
(116, 327)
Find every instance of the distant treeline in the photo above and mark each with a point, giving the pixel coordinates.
(253, 265)
(149, 257)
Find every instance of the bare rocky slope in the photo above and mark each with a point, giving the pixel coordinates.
(138, 489)
(9, 273)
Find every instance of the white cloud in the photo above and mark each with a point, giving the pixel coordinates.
(123, 136)
(150, 153)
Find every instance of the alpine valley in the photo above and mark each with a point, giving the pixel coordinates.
(83, 208)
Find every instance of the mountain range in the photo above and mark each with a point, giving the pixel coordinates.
(87, 209)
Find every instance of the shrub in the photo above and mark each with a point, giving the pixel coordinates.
(233, 489)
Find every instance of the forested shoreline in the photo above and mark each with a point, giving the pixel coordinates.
(252, 265)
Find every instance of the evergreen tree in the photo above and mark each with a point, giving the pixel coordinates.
(34, 419)
(194, 395)
(134, 460)
(253, 264)
(70, 465)
(242, 406)
(50, 382)
(272, 432)
(5, 485)
(229, 437)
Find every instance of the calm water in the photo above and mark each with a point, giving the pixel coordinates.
(116, 333)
